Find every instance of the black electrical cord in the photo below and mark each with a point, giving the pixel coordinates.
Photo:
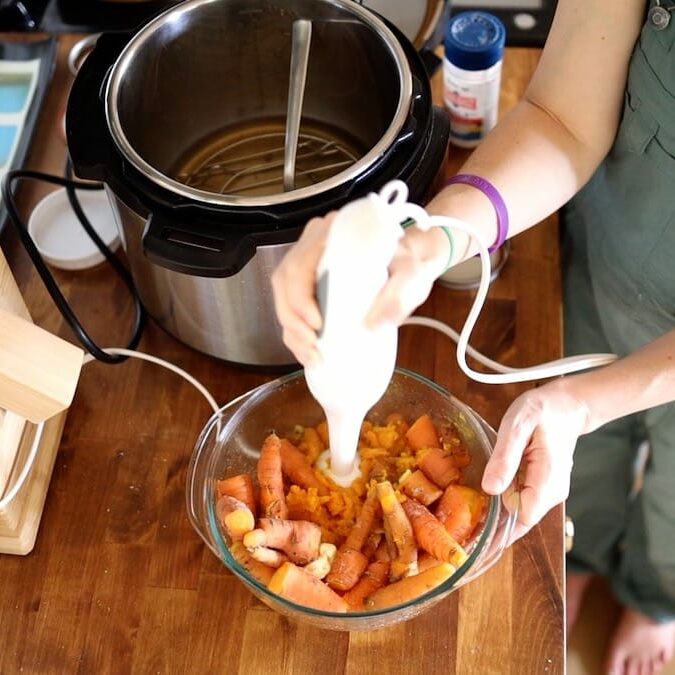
(50, 284)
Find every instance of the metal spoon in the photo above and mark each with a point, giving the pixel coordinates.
(302, 36)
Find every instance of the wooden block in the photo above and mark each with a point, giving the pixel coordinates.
(38, 371)
(10, 296)
(11, 430)
(25, 511)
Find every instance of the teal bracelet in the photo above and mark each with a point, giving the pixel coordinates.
(448, 233)
(451, 241)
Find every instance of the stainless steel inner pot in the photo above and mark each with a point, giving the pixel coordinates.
(208, 73)
(208, 67)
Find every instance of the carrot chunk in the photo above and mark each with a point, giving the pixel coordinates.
(398, 533)
(462, 509)
(297, 585)
(431, 535)
(373, 578)
(410, 587)
(234, 516)
(240, 487)
(270, 479)
(422, 433)
(419, 487)
(296, 466)
(438, 466)
(347, 568)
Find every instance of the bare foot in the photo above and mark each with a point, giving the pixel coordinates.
(640, 646)
(576, 587)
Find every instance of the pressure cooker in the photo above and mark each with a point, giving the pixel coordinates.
(184, 121)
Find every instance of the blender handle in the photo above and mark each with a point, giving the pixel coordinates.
(203, 253)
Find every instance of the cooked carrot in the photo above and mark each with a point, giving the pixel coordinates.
(399, 423)
(311, 444)
(350, 562)
(297, 585)
(461, 457)
(296, 466)
(419, 487)
(410, 587)
(271, 480)
(425, 561)
(258, 570)
(234, 516)
(372, 544)
(364, 521)
(461, 510)
(431, 535)
(438, 466)
(398, 532)
(347, 568)
(373, 578)
(423, 433)
(298, 539)
(382, 552)
(240, 487)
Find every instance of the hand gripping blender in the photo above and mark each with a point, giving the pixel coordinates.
(356, 362)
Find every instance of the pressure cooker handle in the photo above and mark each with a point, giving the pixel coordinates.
(87, 135)
(203, 251)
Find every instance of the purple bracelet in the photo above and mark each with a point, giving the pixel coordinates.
(490, 191)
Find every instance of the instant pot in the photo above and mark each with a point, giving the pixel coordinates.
(184, 122)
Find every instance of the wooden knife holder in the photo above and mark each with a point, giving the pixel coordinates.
(38, 377)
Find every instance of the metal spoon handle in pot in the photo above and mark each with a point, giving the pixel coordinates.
(302, 36)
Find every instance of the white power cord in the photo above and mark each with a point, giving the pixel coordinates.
(395, 193)
(32, 455)
(505, 374)
(165, 364)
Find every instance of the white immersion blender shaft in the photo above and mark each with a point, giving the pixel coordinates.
(356, 363)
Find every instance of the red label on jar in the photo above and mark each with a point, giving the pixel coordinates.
(460, 101)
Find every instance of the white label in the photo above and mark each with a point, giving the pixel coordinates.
(472, 106)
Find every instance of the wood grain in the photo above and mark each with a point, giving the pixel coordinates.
(120, 583)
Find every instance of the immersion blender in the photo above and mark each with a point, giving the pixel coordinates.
(356, 362)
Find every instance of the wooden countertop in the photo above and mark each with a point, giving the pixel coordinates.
(119, 582)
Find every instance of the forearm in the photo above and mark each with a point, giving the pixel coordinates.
(548, 146)
(642, 380)
(534, 161)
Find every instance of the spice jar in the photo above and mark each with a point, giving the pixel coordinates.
(472, 66)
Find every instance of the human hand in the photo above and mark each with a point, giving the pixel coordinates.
(293, 286)
(536, 440)
(419, 259)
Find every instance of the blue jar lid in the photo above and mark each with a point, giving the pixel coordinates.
(474, 40)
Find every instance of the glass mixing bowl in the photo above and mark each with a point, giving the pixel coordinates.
(230, 443)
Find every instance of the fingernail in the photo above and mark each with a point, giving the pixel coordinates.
(493, 484)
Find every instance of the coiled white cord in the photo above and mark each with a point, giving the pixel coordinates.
(395, 194)
(505, 374)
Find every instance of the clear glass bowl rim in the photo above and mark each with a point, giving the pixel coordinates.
(249, 398)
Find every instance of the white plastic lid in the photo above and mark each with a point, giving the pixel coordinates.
(59, 236)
